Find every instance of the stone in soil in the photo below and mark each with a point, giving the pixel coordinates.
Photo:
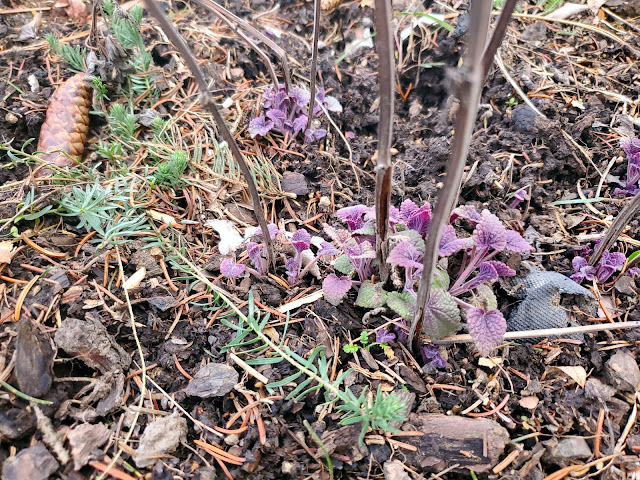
(160, 438)
(623, 372)
(33, 463)
(212, 380)
(394, 470)
(293, 182)
(566, 452)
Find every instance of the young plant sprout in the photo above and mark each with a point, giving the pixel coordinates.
(631, 148)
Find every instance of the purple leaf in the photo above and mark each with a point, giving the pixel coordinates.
(449, 243)
(400, 331)
(468, 212)
(274, 231)
(300, 96)
(502, 269)
(291, 267)
(352, 216)
(582, 270)
(486, 328)
(299, 123)
(490, 233)
(631, 147)
(633, 272)
(405, 255)
(327, 248)
(255, 255)
(340, 236)
(383, 336)
(516, 243)
(335, 288)
(301, 240)
(278, 117)
(332, 104)
(518, 197)
(311, 136)
(609, 263)
(486, 274)
(230, 269)
(260, 126)
(407, 208)
(394, 216)
(431, 354)
(419, 219)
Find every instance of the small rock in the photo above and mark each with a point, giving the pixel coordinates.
(212, 380)
(623, 372)
(160, 438)
(595, 389)
(90, 342)
(83, 439)
(536, 32)
(147, 117)
(163, 303)
(395, 471)
(567, 451)
(294, 182)
(33, 463)
(11, 118)
(232, 439)
(524, 119)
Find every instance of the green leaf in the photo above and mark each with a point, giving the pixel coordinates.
(350, 348)
(442, 315)
(440, 279)
(401, 303)
(371, 295)
(364, 338)
(343, 265)
(485, 298)
(633, 256)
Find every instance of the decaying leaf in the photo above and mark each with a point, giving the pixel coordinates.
(576, 373)
(134, 280)
(6, 252)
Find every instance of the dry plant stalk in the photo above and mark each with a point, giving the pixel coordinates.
(209, 103)
(67, 123)
(616, 228)
(314, 60)
(384, 168)
(228, 16)
(469, 90)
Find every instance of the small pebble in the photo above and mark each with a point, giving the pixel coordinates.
(11, 118)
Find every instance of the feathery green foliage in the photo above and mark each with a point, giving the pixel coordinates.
(169, 173)
(74, 56)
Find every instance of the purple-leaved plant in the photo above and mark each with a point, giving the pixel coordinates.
(409, 225)
(286, 113)
(609, 264)
(631, 147)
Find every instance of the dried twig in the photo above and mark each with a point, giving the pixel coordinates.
(384, 168)
(209, 103)
(616, 228)
(469, 91)
(314, 60)
(497, 36)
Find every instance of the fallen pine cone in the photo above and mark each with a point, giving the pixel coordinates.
(67, 123)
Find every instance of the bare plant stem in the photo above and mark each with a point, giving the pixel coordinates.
(209, 103)
(469, 91)
(497, 36)
(282, 55)
(384, 168)
(616, 228)
(314, 60)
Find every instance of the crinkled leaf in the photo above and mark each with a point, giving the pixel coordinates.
(278, 117)
(431, 354)
(300, 96)
(401, 303)
(299, 123)
(450, 243)
(255, 255)
(292, 270)
(516, 243)
(582, 270)
(335, 288)
(353, 216)
(260, 126)
(327, 248)
(230, 269)
(502, 269)
(407, 208)
(442, 315)
(468, 212)
(301, 240)
(490, 233)
(485, 298)
(384, 336)
(405, 255)
(440, 279)
(369, 228)
(371, 295)
(311, 136)
(486, 274)
(420, 218)
(338, 235)
(609, 263)
(343, 265)
(274, 231)
(487, 328)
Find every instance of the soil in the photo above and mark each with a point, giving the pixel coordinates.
(546, 406)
